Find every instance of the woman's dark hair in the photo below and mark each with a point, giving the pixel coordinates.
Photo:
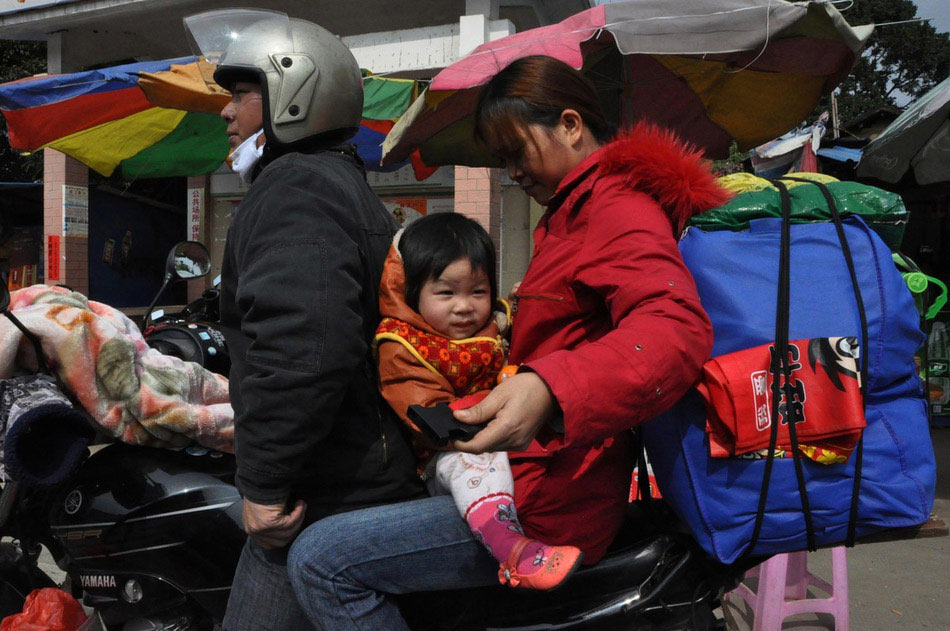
(432, 243)
(535, 90)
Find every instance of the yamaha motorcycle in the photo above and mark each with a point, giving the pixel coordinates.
(150, 539)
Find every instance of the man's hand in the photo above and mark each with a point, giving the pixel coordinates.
(269, 525)
(517, 409)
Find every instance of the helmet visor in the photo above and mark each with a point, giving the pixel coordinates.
(218, 35)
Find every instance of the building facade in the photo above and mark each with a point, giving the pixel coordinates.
(401, 38)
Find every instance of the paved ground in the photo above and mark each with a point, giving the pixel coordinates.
(903, 585)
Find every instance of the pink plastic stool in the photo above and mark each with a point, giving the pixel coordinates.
(782, 590)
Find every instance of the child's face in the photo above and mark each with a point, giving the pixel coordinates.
(457, 303)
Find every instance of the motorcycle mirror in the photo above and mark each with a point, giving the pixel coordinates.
(188, 260)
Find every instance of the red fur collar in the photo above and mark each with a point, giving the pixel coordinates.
(655, 161)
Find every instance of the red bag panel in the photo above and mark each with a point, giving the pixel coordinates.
(826, 392)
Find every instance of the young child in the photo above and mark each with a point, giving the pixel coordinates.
(438, 341)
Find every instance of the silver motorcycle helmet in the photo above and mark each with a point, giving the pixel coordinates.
(310, 81)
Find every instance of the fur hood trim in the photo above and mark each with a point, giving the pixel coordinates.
(655, 161)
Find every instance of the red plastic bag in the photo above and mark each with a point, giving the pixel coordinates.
(47, 609)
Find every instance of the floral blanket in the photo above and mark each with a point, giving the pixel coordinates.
(135, 393)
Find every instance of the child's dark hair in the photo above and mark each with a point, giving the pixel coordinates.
(432, 243)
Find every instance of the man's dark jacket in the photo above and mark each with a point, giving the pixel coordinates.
(299, 307)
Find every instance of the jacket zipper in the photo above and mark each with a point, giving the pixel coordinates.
(382, 435)
(380, 401)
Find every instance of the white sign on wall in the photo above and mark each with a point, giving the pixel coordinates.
(75, 211)
(444, 177)
(196, 212)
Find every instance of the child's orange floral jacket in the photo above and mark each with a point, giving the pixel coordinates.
(418, 365)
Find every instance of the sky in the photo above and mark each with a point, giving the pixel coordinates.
(939, 10)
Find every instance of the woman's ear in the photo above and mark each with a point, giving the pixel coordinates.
(572, 126)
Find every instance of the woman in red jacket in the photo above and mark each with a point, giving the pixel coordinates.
(609, 332)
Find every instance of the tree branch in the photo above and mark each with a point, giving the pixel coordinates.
(900, 86)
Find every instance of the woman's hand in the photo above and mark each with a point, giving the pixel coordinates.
(515, 411)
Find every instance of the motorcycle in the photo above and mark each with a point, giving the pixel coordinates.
(147, 537)
(150, 539)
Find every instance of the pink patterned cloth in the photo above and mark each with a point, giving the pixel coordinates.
(135, 393)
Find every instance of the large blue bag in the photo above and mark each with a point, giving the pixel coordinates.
(736, 274)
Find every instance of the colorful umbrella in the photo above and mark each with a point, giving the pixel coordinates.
(385, 100)
(152, 119)
(918, 139)
(713, 71)
(160, 118)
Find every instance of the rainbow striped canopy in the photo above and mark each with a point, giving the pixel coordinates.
(160, 118)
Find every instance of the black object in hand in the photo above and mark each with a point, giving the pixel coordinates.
(439, 424)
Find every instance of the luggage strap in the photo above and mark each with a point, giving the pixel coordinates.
(781, 371)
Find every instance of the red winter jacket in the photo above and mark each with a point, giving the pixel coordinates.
(608, 316)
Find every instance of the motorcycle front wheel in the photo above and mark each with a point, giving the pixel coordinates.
(18, 577)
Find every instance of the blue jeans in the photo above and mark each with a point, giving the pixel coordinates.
(261, 595)
(344, 567)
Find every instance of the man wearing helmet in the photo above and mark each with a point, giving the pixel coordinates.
(300, 274)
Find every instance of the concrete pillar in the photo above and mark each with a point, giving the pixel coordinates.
(478, 190)
(473, 32)
(475, 25)
(66, 220)
(516, 237)
(65, 204)
(54, 53)
(488, 8)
